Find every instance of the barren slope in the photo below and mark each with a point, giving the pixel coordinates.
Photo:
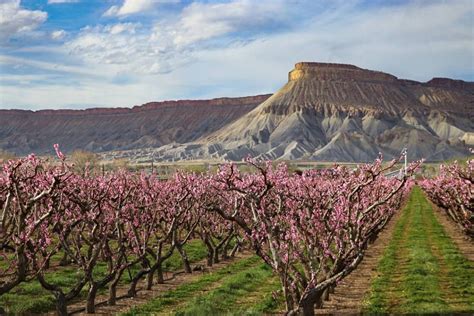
(330, 112)
(340, 112)
(150, 125)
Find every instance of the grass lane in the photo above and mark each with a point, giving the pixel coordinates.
(172, 300)
(421, 269)
(421, 284)
(261, 300)
(388, 269)
(456, 272)
(236, 295)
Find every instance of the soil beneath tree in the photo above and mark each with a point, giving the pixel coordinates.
(349, 294)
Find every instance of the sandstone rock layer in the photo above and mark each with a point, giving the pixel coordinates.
(337, 112)
(327, 112)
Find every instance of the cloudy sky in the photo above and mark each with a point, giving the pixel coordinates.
(94, 53)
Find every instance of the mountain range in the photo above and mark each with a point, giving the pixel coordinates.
(325, 112)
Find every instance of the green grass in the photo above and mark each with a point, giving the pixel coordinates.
(195, 250)
(265, 299)
(421, 284)
(421, 269)
(187, 291)
(31, 297)
(223, 299)
(387, 267)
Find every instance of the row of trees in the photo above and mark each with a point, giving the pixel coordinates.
(312, 228)
(453, 191)
(81, 161)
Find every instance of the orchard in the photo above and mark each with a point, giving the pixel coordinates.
(312, 228)
(453, 191)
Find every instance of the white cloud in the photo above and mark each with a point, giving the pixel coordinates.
(171, 43)
(58, 35)
(200, 53)
(14, 20)
(50, 67)
(62, 1)
(200, 21)
(134, 6)
(123, 45)
(121, 28)
(112, 11)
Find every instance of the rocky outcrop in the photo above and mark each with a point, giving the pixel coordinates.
(449, 83)
(336, 72)
(326, 111)
(337, 112)
(103, 129)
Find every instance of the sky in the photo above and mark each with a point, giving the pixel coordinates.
(120, 53)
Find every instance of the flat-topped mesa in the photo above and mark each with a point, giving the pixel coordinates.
(450, 83)
(336, 72)
(251, 101)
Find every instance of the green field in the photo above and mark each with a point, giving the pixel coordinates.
(422, 269)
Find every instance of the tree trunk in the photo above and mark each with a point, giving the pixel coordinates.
(132, 290)
(64, 260)
(307, 307)
(47, 264)
(288, 299)
(184, 257)
(90, 307)
(210, 259)
(318, 302)
(225, 250)
(112, 300)
(325, 296)
(149, 280)
(159, 272)
(61, 304)
(210, 252)
(235, 249)
(332, 289)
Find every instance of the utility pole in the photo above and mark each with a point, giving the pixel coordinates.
(404, 153)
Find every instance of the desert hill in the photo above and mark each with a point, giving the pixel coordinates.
(103, 129)
(337, 112)
(330, 112)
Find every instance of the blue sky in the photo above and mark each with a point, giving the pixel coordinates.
(120, 53)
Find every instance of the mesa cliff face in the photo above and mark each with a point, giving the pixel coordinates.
(103, 129)
(337, 112)
(328, 112)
